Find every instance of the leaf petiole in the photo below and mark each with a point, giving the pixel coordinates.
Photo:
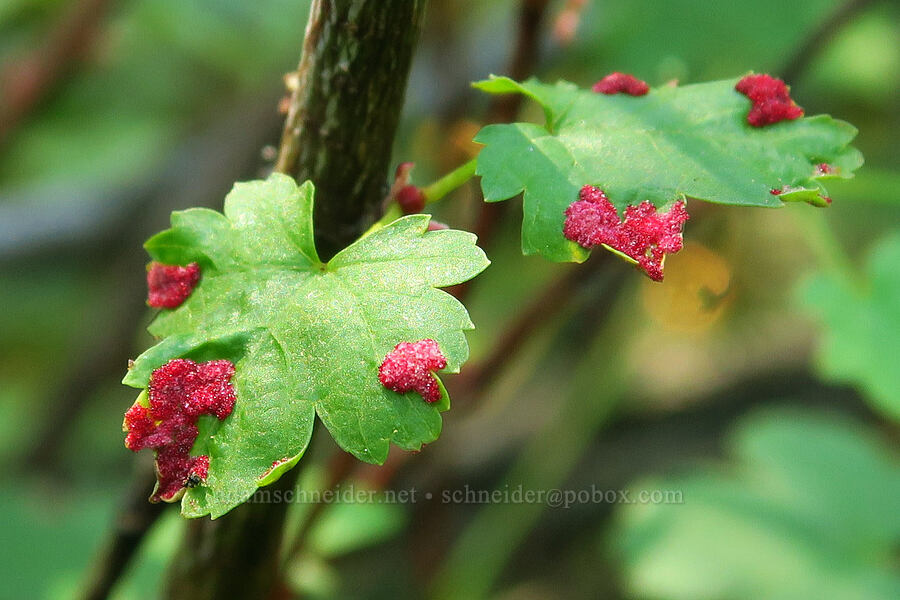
(433, 192)
(449, 182)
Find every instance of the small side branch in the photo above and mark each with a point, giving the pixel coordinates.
(555, 298)
(449, 182)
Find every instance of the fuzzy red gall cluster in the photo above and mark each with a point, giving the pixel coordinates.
(776, 191)
(621, 83)
(771, 100)
(170, 285)
(179, 392)
(645, 235)
(409, 368)
(199, 471)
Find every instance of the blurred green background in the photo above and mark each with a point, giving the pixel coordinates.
(760, 382)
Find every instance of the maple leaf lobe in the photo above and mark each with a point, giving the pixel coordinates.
(409, 367)
(275, 465)
(169, 286)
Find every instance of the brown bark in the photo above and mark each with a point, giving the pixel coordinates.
(344, 110)
(338, 133)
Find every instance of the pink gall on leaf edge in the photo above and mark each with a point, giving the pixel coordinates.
(168, 286)
(165, 420)
(621, 83)
(770, 98)
(645, 236)
(410, 367)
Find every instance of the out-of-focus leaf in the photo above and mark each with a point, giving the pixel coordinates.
(861, 326)
(49, 538)
(348, 526)
(638, 37)
(807, 509)
(861, 63)
(146, 577)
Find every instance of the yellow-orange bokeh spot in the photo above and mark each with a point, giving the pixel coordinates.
(695, 292)
(461, 134)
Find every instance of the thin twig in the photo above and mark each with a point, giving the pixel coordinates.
(819, 38)
(449, 182)
(554, 298)
(531, 14)
(26, 82)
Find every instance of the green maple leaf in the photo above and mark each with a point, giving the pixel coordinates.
(677, 142)
(860, 322)
(306, 337)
